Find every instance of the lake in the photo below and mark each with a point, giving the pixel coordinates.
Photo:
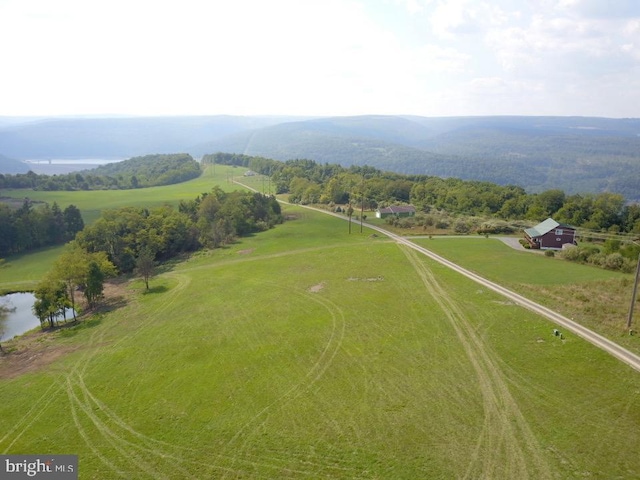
(61, 166)
(20, 319)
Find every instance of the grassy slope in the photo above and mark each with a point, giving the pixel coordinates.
(305, 352)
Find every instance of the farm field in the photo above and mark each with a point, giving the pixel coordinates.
(306, 352)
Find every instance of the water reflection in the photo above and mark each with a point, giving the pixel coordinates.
(20, 318)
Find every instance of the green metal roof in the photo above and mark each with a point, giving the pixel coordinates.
(542, 228)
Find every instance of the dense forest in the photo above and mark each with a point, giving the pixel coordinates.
(34, 226)
(137, 172)
(309, 182)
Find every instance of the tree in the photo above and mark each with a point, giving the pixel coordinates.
(73, 222)
(145, 266)
(94, 286)
(51, 300)
(73, 269)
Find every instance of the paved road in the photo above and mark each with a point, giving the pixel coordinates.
(596, 339)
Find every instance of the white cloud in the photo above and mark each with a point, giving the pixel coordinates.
(433, 57)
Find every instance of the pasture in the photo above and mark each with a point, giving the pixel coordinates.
(306, 352)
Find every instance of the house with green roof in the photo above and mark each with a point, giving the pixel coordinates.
(550, 235)
(396, 210)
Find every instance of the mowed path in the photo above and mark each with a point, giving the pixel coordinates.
(506, 447)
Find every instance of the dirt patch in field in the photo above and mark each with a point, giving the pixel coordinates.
(246, 252)
(317, 288)
(30, 352)
(379, 278)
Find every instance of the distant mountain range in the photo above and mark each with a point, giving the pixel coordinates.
(575, 154)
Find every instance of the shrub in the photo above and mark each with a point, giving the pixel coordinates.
(614, 261)
(461, 227)
(571, 253)
(549, 253)
(496, 227)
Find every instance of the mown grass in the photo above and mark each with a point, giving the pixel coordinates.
(22, 272)
(495, 260)
(306, 352)
(597, 298)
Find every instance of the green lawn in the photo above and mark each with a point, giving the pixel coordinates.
(496, 261)
(306, 352)
(22, 272)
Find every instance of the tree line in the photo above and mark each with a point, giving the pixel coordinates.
(33, 226)
(132, 239)
(137, 172)
(309, 182)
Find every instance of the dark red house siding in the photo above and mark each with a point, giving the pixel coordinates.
(555, 239)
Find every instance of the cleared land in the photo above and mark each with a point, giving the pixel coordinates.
(305, 352)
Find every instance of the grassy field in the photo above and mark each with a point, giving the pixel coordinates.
(306, 352)
(597, 298)
(91, 203)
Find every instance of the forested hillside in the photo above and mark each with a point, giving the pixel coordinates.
(116, 137)
(137, 172)
(577, 155)
(309, 182)
(9, 165)
(574, 154)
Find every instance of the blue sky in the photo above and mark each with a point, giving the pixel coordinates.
(325, 57)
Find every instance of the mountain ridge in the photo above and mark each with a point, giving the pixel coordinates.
(575, 154)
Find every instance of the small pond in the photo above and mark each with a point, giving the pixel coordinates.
(20, 318)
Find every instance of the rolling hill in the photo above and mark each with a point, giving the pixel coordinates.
(11, 166)
(575, 154)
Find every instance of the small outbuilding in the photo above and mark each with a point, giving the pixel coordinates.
(550, 235)
(396, 210)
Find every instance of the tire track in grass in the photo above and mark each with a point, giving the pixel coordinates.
(122, 435)
(76, 421)
(506, 445)
(151, 446)
(124, 439)
(39, 407)
(34, 413)
(252, 427)
(115, 441)
(86, 402)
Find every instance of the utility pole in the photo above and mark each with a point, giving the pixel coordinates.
(362, 204)
(633, 296)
